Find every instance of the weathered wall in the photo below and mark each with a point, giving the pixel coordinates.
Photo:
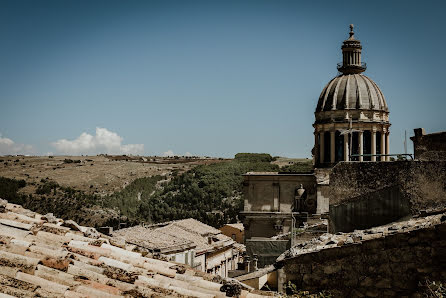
(424, 143)
(369, 210)
(275, 192)
(390, 266)
(423, 182)
(231, 231)
(323, 201)
(265, 224)
(267, 250)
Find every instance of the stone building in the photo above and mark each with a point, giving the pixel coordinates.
(273, 203)
(189, 242)
(236, 231)
(352, 117)
(429, 146)
(352, 124)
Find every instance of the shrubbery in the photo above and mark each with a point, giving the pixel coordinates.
(9, 188)
(298, 167)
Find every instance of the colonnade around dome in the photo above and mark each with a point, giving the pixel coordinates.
(332, 143)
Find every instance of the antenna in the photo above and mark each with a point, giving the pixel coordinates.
(405, 141)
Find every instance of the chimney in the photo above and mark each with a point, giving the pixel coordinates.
(255, 259)
(247, 262)
(419, 132)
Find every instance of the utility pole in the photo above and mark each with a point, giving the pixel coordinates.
(405, 141)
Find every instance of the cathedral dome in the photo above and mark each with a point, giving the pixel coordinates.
(352, 117)
(351, 92)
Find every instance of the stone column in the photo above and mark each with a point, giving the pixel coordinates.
(361, 145)
(332, 146)
(281, 280)
(373, 144)
(254, 263)
(247, 264)
(383, 145)
(346, 149)
(387, 146)
(321, 147)
(316, 148)
(276, 194)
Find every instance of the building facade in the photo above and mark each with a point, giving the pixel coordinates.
(429, 146)
(352, 117)
(189, 242)
(235, 231)
(274, 202)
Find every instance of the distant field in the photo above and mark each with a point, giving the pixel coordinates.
(110, 190)
(99, 175)
(285, 161)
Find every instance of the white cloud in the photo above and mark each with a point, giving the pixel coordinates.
(104, 141)
(9, 147)
(168, 153)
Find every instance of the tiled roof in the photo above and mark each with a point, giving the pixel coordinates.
(61, 259)
(174, 234)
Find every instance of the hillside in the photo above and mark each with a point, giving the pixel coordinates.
(101, 175)
(103, 190)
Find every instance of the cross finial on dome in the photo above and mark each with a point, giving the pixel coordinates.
(351, 31)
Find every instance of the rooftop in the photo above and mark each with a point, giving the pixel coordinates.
(238, 226)
(328, 241)
(187, 233)
(44, 256)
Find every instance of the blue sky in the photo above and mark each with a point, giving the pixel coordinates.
(206, 77)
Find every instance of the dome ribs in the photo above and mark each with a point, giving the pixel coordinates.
(351, 91)
(347, 86)
(369, 94)
(324, 104)
(335, 95)
(381, 98)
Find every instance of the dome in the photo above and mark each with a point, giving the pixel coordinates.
(351, 92)
(352, 117)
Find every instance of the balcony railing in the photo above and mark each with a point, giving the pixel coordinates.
(361, 66)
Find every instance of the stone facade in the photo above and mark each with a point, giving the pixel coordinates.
(429, 146)
(388, 261)
(271, 199)
(363, 195)
(235, 231)
(423, 182)
(369, 210)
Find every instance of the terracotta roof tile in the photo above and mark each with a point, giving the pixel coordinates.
(53, 260)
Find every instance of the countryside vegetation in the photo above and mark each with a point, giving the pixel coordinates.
(210, 193)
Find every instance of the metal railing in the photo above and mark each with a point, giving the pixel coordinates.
(341, 65)
(379, 155)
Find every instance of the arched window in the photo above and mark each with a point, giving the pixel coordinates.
(367, 145)
(339, 146)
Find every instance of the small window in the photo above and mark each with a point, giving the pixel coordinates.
(233, 236)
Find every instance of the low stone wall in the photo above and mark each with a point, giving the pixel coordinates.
(382, 262)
